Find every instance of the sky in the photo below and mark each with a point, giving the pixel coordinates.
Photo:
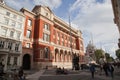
(93, 17)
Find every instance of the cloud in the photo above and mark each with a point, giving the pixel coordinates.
(51, 3)
(96, 18)
(29, 4)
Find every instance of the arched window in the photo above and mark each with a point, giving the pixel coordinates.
(46, 52)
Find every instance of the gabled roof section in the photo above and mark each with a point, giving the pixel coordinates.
(37, 9)
(47, 8)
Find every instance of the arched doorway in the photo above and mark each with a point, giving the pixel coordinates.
(26, 62)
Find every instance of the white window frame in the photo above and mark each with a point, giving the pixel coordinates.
(11, 34)
(18, 35)
(4, 31)
(29, 22)
(28, 35)
(6, 21)
(13, 23)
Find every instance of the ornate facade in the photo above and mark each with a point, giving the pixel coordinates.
(11, 31)
(90, 52)
(47, 40)
(116, 11)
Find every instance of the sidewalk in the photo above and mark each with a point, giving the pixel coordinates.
(35, 76)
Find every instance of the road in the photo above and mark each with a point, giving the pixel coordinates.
(78, 75)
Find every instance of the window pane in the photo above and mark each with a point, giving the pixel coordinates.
(4, 31)
(28, 45)
(14, 16)
(2, 44)
(20, 18)
(46, 37)
(29, 22)
(13, 23)
(19, 25)
(28, 33)
(15, 61)
(46, 54)
(16, 47)
(10, 45)
(46, 26)
(6, 21)
(18, 35)
(8, 13)
(11, 34)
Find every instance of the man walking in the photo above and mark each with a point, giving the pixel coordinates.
(92, 70)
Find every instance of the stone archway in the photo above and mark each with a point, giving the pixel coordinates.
(56, 55)
(26, 62)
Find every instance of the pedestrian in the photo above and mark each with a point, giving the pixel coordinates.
(106, 67)
(92, 69)
(111, 70)
(1, 69)
(21, 74)
(101, 68)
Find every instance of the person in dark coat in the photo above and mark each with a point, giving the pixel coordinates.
(106, 67)
(92, 70)
(1, 69)
(111, 70)
(21, 74)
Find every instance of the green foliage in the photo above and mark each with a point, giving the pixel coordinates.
(99, 54)
(108, 57)
(118, 53)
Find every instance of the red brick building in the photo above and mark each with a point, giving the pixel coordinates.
(47, 40)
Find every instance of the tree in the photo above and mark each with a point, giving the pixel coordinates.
(99, 54)
(118, 53)
(108, 57)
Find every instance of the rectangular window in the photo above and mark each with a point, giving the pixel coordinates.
(12, 34)
(28, 45)
(29, 22)
(10, 45)
(19, 25)
(20, 18)
(46, 27)
(46, 37)
(14, 16)
(15, 60)
(8, 61)
(6, 21)
(8, 13)
(16, 47)
(18, 35)
(4, 31)
(28, 33)
(13, 23)
(2, 44)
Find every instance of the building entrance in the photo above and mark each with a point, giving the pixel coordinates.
(26, 62)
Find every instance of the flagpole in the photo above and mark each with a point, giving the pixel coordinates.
(71, 40)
